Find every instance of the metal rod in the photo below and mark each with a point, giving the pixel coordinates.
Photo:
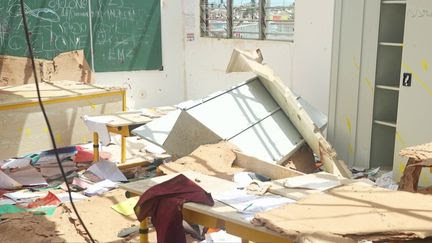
(263, 26)
(253, 124)
(229, 19)
(226, 91)
(91, 35)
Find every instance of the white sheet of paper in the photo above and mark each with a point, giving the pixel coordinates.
(6, 201)
(242, 179)
(22, 196)
(8, 183)
(107, 170)
(98, 125)
(15, 163)
(319, 181)
(64, 196)
(28, 176)
(100, 188)
(250, 204)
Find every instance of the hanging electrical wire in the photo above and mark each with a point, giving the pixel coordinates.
(29, 46)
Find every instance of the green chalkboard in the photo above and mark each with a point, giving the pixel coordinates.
(126, 33)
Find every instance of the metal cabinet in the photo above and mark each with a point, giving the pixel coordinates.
(414, 113)
(381, 84)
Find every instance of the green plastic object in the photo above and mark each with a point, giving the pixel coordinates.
(45, 210)
(9, 208)
(126, 34)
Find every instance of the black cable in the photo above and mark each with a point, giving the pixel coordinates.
(47, 121)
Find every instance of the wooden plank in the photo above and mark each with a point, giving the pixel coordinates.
(248, 62)
(272, 171)
(11, 95)
(126, 118)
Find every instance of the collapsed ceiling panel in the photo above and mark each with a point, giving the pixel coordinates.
(246, 115)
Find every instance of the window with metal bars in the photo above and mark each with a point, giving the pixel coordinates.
(248, 19)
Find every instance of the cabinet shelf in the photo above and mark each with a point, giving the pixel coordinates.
(385, 123)
(388, 87)
(382, 43)
(394, 2)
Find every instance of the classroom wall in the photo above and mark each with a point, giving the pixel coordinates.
(207, 58)
(157, 88)
(313, 51)
(195, 66)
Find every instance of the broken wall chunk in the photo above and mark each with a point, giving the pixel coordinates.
(65, 66)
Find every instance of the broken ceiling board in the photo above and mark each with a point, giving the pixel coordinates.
(18, 70)
(188, 134)
(72, 65)
(318, 118)
(355, 211)
(270, 140)
(420, 152)
(246, 115)
(272, 171)
(242, 61)
(302, 160)
(66, 66)
(26, 129)
(157, 131)
(210, 159)
(229, 113)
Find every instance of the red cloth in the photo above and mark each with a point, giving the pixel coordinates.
(163, 203)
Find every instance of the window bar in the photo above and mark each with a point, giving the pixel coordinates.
(229, 19)
(262, 21)
(204, 18)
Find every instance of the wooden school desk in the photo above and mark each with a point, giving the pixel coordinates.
(121, 123)
(220, 215)
(24, 129)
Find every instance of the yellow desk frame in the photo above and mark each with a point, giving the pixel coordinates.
(245, 233)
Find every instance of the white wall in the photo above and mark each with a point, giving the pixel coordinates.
(207, 58)
(156, 88)
(196, 68)
(313, 50)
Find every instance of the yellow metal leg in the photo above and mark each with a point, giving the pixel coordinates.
(123, 149)
(95, 147)
(144, 231)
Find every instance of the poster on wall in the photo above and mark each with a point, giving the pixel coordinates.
(189, 19)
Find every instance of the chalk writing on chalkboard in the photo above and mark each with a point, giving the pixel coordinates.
(419, 13)
(126, 33)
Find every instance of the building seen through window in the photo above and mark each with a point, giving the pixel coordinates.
(248, 19)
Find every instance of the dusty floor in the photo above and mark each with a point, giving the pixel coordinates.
(101, 220)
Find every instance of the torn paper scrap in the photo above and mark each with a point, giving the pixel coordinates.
(126, 207)
(64, 197)
(100, 188)
(49, 199)
(107, 170)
